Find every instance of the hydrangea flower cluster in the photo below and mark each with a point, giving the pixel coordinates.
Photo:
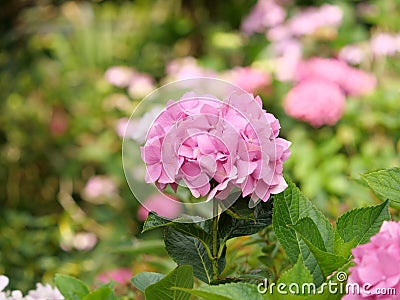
(42, 292)
(320, 94)
(214, 146)
(377, 264)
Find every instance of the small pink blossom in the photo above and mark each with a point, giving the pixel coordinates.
(316, 101)
(377, 264)
(168, 208)
(119, 76)
(140, 85)
(99, 187)
(248, 78)
(234, 143)
(309, 20)
(352, 54)
(385, 44)
(265, 14)
(121, 276)
(185, 68)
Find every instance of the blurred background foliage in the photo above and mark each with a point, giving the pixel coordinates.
(59, 116)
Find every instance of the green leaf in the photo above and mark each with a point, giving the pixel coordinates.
(142, 280)
(241, 221)
(153, 221)
(102, 293)
(341, 247)
(298, 275)
(362, 223)
(289, 207)
(230, 291)
(385, 184)
(181, 276)
(189, 250)
(307, 228)
(70, 287)
(327, 261)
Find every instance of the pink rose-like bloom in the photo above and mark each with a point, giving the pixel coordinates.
(99, 186)
(233, 142)
(353, 81)
(248, 78)
(377, 264)
(159, 204)
(315, 101)
(265, 14)
(121, 276)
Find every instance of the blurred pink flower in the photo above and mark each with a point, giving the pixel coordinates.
(352, 54)
(121, 126)
(168, 208)
(201, 138)
(121, 276)
(187, 67)
(377, 264)
(99, 187)
(309, 20)
(140, 85)
(287, 53)
(353, 81)
(44, 292)
(384, 44)
(316, 101)
(358, 82)
(248, 78)
(265, 14)
(119, 76)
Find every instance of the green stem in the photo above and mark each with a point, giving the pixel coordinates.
(215, 240)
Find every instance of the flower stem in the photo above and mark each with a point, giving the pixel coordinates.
(215, 240)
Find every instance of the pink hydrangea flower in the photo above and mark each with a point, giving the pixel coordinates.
(377, 264)
(248, 78)
(232, 143)
(353, 81)
(316, 101)
(158, 204)
(121, 276)
(265, 14)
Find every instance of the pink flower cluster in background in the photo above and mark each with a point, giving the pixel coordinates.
(322, 84)
(138, 84)
(121, 276)
(157, 203)
(234, 143)
(381, 45)
(247, 78)
(377, 264)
